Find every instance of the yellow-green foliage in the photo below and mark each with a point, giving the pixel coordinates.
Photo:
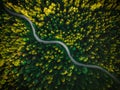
(88, 27)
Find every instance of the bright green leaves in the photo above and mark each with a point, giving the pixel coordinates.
(26, 39)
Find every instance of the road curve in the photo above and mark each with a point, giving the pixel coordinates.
(63, 45)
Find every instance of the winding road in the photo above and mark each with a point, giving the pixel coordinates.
(63, 45)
